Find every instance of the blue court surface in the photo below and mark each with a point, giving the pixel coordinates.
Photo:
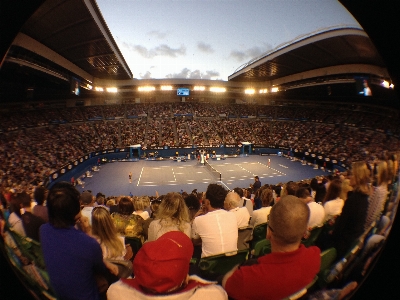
(173, 176)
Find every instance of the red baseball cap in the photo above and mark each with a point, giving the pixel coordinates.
(161, 266)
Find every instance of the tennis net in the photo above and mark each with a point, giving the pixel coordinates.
(213, 171)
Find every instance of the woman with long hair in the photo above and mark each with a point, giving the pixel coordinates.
(350, 224)
(172, 215)
(103, 229)
(332, 202)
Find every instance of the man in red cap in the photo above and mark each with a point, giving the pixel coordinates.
(161, 271)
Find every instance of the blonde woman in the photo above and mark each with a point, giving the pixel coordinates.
(140, 204)
(172, 215)
(350, 225)
(104, 231)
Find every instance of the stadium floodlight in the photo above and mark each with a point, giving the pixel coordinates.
(112, 90)
(249, 91)
(199, 88)
(263, 91)
(146, 88)
(218, 89)
(98, 89)
(166, 88)
(274, 89)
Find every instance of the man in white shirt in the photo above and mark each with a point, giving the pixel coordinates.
(213, 227)
(231, 204)
(317, 211)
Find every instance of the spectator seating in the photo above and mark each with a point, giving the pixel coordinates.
(262, 247)
(302, 294)
(212, 267)
(328, 257)
(259, 233)
(244, 237)
(311, 236)
(26, 257)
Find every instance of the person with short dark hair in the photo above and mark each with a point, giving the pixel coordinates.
(30, 221)
(213, 227)
(72, 258)
(39, 209)
(256, 185)
(88, 201)
(289, 258)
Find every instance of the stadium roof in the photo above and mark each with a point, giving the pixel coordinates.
(349, 48)
(69, 38)
(76, 31)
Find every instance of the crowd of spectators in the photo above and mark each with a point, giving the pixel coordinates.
(37, 141)
(291, 209)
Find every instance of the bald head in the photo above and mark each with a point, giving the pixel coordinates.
(288, 220)
(232, 201)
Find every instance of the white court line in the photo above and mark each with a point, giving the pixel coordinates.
(140, 176)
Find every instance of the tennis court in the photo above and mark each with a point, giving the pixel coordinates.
(168, 175)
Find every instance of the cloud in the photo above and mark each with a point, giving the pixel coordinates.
(161, 50)
(146, 75)
(157, 34)
(165, 50)
(206, 48)
(249, 53)
(185, 73)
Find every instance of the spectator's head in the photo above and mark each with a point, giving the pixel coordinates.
(25, 199)
(141, 203)
(303, 193)
(314, 183)
(238, 191)
(154, 205)
(383, 174)
(40, 195)
(63, 205)
(125, 206)
(100, 198)
(173, 207)
(266, 197)
(215, 194)
(291, 188)
(232, 200)
(87, 198)
(334, 190)
(193, 204)
(162, 266)
(360, 177)
(256, 178)
(287, 222)
(104, 228)
(110, 202)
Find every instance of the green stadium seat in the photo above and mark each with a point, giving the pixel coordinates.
(212, 267)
